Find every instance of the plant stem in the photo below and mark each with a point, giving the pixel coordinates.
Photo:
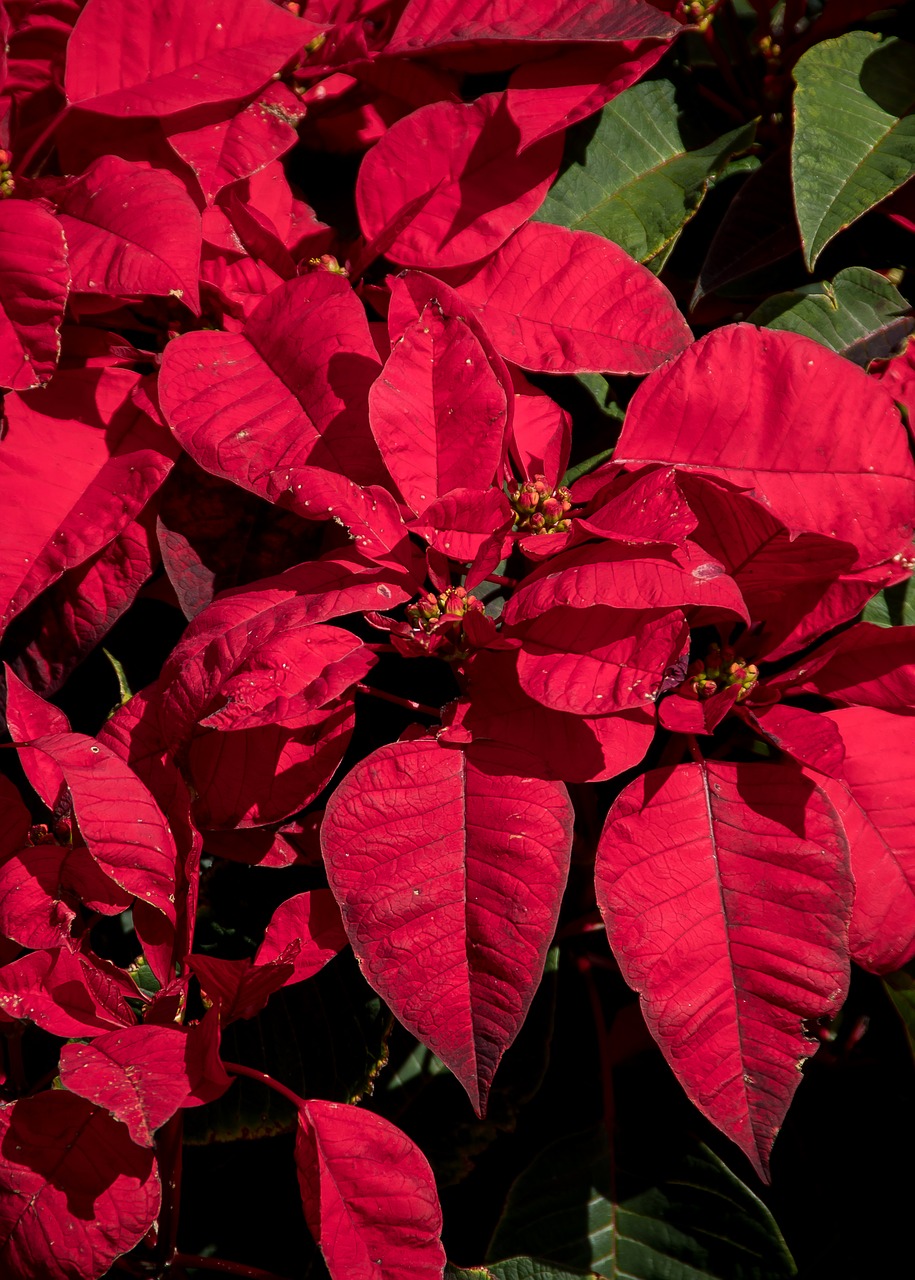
(39, 142)
(261, 1076)
(420, 707)
(694, 750)
(223, 1266)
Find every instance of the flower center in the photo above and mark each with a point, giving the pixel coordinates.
(719, 670)
(540, 509)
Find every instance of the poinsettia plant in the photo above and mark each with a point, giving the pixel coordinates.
(458, 507)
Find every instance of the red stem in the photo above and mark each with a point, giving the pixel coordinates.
(410, 705)
(261, 1076)
(694, 749)
(169, 1155)
(381, 648)
(500, 580)
(220, 1264)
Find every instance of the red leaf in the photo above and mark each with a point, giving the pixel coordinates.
(541, 437)
(255, 659)
(71, 616)
(141, 1075)
(559, 301)
(449, 881)
(369, 1195)
(242, 988)
(600, 661)
(437, 410)
(311, 919)
(627, 577)
(288, 393)
(230, 150)
(807, 736)
(132, 230)
(868, 665)
(555, 93)
(75, 1192)
(174, 55)
(781, 415)
(482, 189)
(726, 896)
(435, 24)
(641, 508)
(531, 738)
(41, 889)
(460, 522)
(120, 821)
(880, 779)
(63, 993)
(34, 283)
(78, 461)
(29, 716)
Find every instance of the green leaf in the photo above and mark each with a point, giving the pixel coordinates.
(637, 177)
(700, 1224)
(853, 144)
(859, 314)
(894, 607)
(900, 987)
(534, 1269)
(467, 1273)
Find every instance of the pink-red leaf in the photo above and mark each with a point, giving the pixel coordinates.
(288, 393)
(177, 54)
(313, 921)
(124, 828)
(880, 780)
(34, 283)
(560, 301)
(78, 460)
(230, 150)
(132, 230)
(369, 1195)
(431, 24)
(627, 577)
(780, 414)
(75, 1191)
(63, 993)
(726, 895)
(141, 1075)
(601, 661)
(482, 188)
(449, 881)
(437, 410)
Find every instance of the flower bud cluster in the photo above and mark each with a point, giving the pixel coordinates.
(442, 616)
(7, 181)
(720, 670)
(539, 508)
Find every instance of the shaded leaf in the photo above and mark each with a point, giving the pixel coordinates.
(78, 1192)
(859, 314)
(894, 607)
(700, 1223)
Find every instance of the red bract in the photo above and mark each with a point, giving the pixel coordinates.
(561, 301)
(451, 853)
(77, 1192)
(34, 283)
(369, 1195)
(403, 516)
(729, 915)
(174, 57)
